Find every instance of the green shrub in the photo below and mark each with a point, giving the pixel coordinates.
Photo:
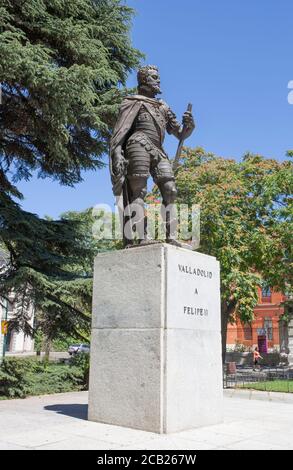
(14, 381)
(82, 362)
(55, 378)
(23, 377)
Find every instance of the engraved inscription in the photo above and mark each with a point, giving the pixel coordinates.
(195, 271)
(203, 312)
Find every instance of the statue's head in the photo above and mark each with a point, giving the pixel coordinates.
(149, 80)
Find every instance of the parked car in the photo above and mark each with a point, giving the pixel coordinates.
(78, 348)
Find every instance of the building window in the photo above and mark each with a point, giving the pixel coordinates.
(268, 327)
(266, 294)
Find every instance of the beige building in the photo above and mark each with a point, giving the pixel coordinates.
(13, 341)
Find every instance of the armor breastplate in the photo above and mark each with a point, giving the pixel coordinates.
(145, 123)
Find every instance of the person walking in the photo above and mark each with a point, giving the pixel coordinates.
(256, 357)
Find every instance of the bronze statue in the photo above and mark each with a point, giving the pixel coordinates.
(136, 146)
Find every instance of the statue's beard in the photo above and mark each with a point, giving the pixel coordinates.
(150, 88)
(156, 89)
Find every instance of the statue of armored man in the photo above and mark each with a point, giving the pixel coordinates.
(136, 151)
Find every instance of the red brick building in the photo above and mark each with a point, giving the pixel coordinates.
(266, 323)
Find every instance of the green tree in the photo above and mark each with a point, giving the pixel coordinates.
(66, 309)
(60, 65)
(63, 67)
(246, 223)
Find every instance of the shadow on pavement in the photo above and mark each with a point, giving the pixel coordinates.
(75, 410)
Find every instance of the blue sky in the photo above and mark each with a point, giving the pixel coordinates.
(231, 59)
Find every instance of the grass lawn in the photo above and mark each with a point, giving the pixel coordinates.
(271, 386)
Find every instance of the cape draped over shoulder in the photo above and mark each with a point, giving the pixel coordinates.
(127, 114)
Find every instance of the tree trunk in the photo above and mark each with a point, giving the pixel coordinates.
(227, 308)
(224, 324)
(47, 348)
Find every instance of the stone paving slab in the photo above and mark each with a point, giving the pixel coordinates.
(59, 422)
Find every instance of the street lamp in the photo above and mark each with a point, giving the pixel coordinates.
(4, 328)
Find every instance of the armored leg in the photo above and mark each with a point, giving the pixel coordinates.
(135, 213)
(169, 193)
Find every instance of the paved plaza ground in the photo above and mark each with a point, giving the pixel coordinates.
(252, 420)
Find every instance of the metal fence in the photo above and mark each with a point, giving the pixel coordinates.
(278, 379)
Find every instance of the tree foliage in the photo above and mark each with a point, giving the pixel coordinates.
(246, 223)
(60, 64)
(63, 67)
(66, 307)
(45, 266)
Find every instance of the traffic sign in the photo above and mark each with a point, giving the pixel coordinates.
(4, 327)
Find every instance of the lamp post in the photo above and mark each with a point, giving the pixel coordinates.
(4, 325)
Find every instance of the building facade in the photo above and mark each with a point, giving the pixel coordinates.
(14, 341)
(266, 325)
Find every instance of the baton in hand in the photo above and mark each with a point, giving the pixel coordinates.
(180, 145)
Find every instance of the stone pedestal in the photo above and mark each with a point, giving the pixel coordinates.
(156, 342)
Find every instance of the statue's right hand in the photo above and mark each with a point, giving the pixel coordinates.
(118, 162)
